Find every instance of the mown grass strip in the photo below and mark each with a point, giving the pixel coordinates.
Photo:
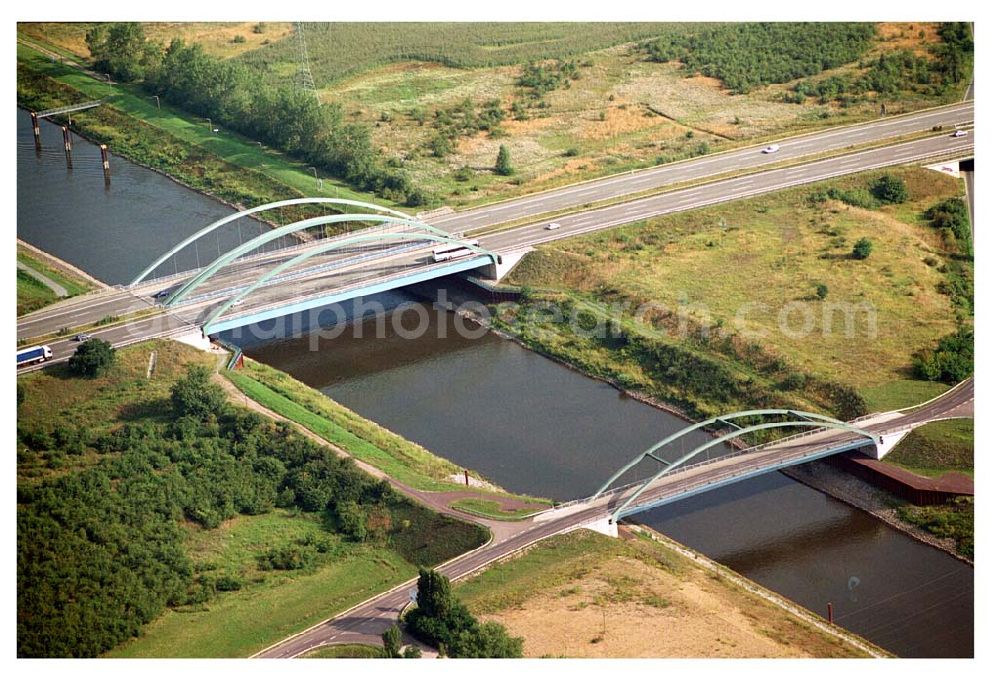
(396, 456)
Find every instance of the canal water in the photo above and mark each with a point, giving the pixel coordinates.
(522, 420)
(112, 232)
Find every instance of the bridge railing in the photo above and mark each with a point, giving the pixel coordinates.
(786, 461)
(356, 284)
(715, 459)
(256, 256)
(291, 275)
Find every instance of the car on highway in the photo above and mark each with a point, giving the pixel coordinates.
(80, 338)
(238, 302)
(960, 133)
(773, 148)
(553, 226)
(163, 293)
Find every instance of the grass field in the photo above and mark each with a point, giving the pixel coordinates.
(901, 394)
(754, 266)
(365, 440)
(483, 507)
(587, 595)
(936, 448)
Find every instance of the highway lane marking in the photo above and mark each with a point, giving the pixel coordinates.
(792, 141)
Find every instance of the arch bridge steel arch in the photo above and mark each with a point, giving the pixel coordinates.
(805, 419)
(276, 233)
(255, 210)
(330, 246)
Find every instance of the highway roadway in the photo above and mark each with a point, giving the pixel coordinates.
(726, 190)
(365, 622)
(751, 157)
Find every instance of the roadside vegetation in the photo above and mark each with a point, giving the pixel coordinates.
(32, 294)
(731, 315)
(152, 508)
(586, 595)
(347, 651)
(367, 441)
(937, 448)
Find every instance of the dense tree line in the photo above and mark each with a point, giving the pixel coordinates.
(748, 55)
(100, 551)
(442, 620)
(245, 100)
(902, 70)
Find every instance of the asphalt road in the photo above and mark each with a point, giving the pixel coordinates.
(365, 622)
(699, 168)
(726, 190)
(125, 334)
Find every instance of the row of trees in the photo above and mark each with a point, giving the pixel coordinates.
(100, 552)
(747, 55)
(241, 98)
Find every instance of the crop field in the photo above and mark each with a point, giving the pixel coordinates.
(340, 49)
(754, 267)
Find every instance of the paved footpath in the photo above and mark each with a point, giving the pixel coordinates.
(56, 288)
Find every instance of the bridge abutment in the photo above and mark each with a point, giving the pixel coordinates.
(885, 444)
(497, 271)
(606, 525)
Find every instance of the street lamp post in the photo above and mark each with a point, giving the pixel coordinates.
(157, 97)
(319, 182)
